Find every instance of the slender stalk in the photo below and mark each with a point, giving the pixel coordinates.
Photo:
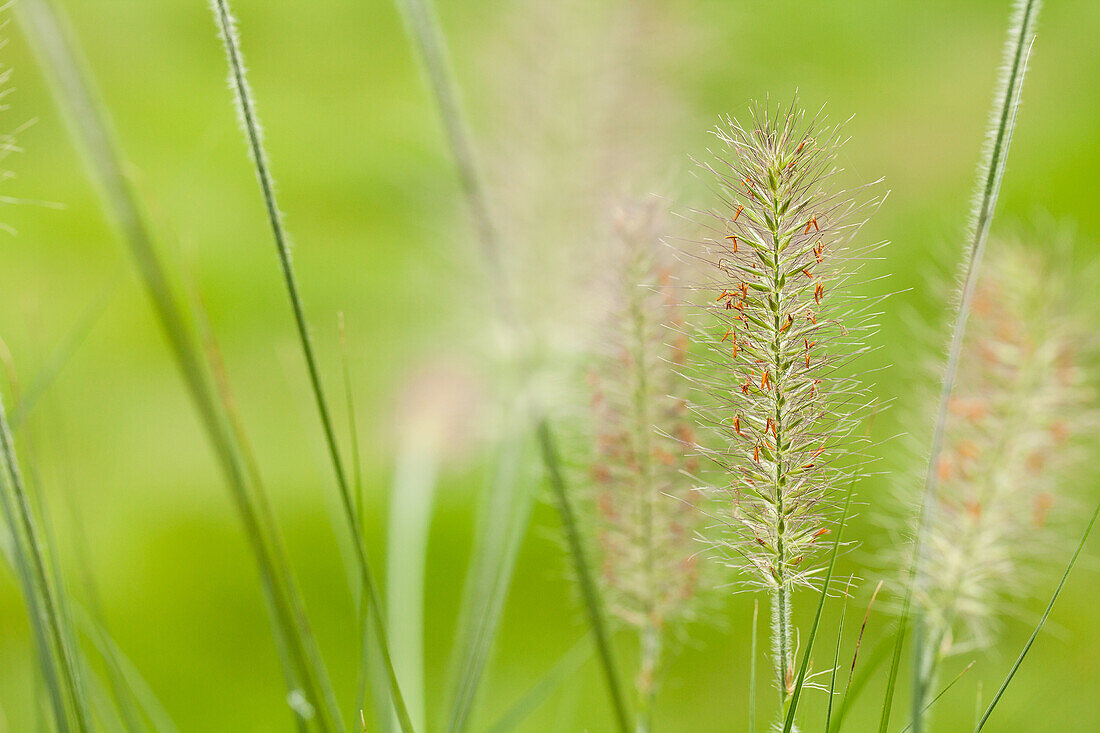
(565, 668)
(836, 658)
(425, 33)
(752, 666)
(796, 692)
(423, 27)
(1006, 108)
(251, 124)
(57, 647)
(593, 605)
(90, 128)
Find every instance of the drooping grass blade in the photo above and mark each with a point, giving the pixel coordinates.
(1038, 627)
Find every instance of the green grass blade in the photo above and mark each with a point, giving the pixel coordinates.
(788, 724)
(563, 670)
(589, 591)
(942, 692)
(414, 484)
(249, 119)
(836, 658)
(56, 642)
(857, 683)
(89, 126)
(1038, 627)
(304, 652)
(895, 664)
(135, 683)
(44, 378)
(504, 513)
(370, 674)
(752, 666)
(991, 175)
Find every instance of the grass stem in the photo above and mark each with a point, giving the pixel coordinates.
(991, 173)
(250, 121)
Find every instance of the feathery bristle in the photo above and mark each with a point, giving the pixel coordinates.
(643, 503)
(779, 331)
(1020, 402)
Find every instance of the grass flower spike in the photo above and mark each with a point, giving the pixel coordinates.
(643, 503)
(778, 331)
(1020, 400)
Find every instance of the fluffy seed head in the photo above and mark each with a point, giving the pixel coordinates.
(642, 504)
(1019, 410)
(778, 331)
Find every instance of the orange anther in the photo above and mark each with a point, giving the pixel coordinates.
(728, 332)
(738, 212)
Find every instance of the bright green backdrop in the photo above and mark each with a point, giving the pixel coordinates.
(372, 202)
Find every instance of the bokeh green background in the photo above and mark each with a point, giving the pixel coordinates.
(373, 204)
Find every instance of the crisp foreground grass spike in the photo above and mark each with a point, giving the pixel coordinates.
(57, 648)
(1039, 626)
(250, 122)
(89, 126)
(777, 327)
(589, 592)
(991, 174)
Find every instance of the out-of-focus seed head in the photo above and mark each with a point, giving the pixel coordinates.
(644, 519)
(1019, 410)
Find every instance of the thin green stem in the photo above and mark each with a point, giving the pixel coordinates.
(423, 27)
(788, 724)
(60, 663)
(752, 666)
(251, 124)
(589, 592)
(992, 171)
(425, 33)
(91, 129)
